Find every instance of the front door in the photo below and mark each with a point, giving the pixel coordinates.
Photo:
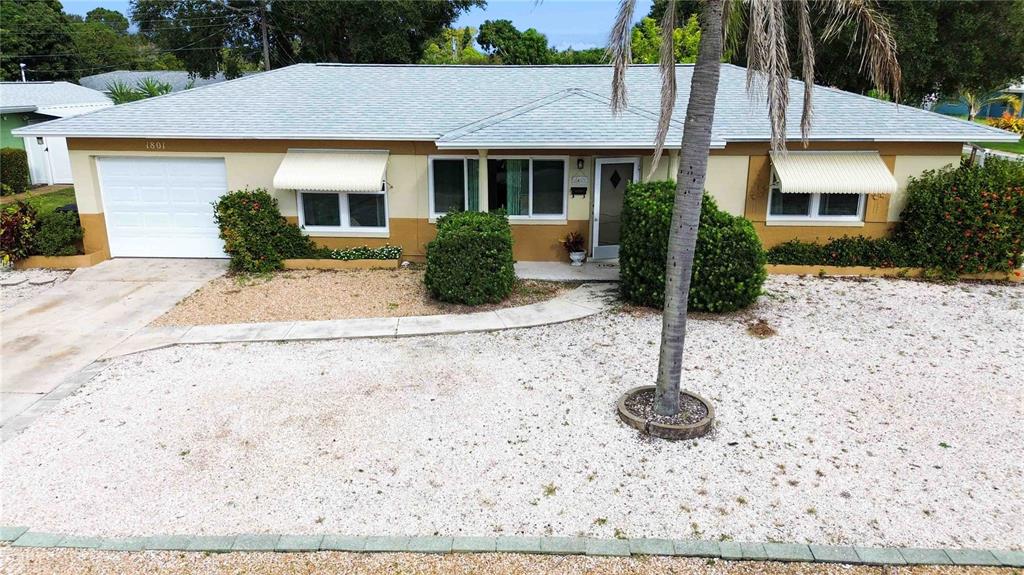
(610, 188)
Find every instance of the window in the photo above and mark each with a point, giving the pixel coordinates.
(523, 187)
(823, 207)
(340, 211)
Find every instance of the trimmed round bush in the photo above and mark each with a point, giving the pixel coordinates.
(966, 220)
(728, 267)
(470, 261)
(255, 234)
(14, 173)
(58, 234)
(17, 232)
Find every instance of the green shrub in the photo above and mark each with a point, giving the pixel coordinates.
(256, 236)
(363, 253)
(13, 171)
(470, 260)
(17, 230)
(728, 267)
(844, 251)
(58, 234)
(965, 220)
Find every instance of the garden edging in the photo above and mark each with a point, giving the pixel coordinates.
(21, 537)
(584, 301)
(865, 271)
(61, 262)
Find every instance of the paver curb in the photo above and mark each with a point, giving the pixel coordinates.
(18, 536)
(586, 300)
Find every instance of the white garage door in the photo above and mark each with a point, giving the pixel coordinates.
(162, 207)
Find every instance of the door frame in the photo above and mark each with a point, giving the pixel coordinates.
(609, 252)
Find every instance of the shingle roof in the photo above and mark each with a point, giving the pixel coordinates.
(408, 102)
(37, 96)
(178, 79)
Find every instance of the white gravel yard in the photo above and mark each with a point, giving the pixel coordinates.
(882, 412)
(17, 286)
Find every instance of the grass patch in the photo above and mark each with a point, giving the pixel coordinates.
(46, 203)
(1014, 147)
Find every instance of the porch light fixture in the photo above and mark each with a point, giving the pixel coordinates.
(579, 163)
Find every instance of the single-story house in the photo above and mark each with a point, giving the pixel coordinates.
(374, 154)
(26, 103)
(177, 79)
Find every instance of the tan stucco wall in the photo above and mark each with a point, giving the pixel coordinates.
(737, 178)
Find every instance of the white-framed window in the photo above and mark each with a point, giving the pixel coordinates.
(813, 207)
(321, 211)
(525, 187)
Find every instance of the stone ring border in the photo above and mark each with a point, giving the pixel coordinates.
(22, 537)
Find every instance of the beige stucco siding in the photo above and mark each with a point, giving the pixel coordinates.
(911, 167)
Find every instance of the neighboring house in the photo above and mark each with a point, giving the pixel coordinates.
(26, 103)
(178, 79)
(373, 154)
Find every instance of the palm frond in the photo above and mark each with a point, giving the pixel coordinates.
(620, 53)
(879, 56)
(768, 62)
(803, 14)
(667, 66)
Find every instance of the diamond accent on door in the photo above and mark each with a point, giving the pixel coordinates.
(616, 179)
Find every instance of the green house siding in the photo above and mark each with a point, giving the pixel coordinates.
(13, 121)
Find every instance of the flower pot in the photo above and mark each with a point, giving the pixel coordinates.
(577, 258)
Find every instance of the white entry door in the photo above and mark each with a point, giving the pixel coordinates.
(162, 207)
(610, 180)
(38, 162)
(60, 162)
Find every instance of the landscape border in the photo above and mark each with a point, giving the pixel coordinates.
(22, 537)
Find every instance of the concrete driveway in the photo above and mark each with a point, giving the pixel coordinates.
(52, 336)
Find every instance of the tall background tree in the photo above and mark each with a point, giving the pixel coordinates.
(38, 34)
(946, 46)
(769, 65)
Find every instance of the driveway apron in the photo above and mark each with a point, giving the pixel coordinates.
(50, 337)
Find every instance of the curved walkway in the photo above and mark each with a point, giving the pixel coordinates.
(728, 550)
(586, 300)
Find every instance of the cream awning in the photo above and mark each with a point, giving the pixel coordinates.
(832, 173)
(329, 170)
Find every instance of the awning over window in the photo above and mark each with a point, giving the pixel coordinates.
(832, 173)
(335, 171)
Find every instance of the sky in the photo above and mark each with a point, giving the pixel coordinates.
(576, 23)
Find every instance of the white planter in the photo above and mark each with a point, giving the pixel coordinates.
(577, 258)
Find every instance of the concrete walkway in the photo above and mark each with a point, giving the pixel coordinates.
(583, 301)
(590, 271)
(51, 337)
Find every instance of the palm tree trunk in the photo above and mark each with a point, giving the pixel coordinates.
(682, 239)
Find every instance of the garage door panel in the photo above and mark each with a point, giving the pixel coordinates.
(162, 207)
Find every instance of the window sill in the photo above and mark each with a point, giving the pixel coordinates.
(521, 221)
(818, 223)
(317, 233)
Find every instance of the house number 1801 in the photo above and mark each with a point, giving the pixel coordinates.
(155, 145)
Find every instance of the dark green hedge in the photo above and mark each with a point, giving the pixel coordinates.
(58, 234)
(256, 236)
(966, 220)
(728, 267)
(14, 173)
(470, 261)
(844, 251)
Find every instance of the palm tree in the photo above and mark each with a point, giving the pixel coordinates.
(975, 101)
(768, 64)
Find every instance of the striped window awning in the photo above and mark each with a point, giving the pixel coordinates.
(332, 171)
(832, 173)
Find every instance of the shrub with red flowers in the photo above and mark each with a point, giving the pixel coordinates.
(255, 234)
(17, 230)
(966, 220)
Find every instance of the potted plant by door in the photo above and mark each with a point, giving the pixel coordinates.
(574, 245)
